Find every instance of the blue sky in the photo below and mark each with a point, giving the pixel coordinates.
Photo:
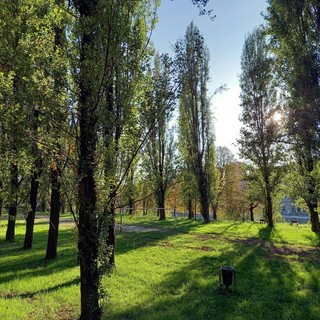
(224, 37)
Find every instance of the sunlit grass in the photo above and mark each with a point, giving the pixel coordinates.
(170, 272)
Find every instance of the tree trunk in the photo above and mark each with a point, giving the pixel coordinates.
(88, 238)
(312, 200)
(269, 212)
(252, 206)
(88, 234)
(204, 203)
(33, 203)
(314, 217)
(251, 213)
(1, 201)
(268, 202)
(190, 211)
(14, 185)
(108, 237)
(11, 221)
(111, 238)
(161, 205)
(52, 243)
(312, 205)
(215, 211)
(131, 204)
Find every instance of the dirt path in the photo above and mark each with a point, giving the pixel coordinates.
(134, 228)
(123, 228)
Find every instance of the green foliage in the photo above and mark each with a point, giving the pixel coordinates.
(294, 29)
(260, 133)
(159, 159)
(196, 138)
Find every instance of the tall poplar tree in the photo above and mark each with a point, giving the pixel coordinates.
(159, 160)
(260, 130)
(195, 119)
(58, 127)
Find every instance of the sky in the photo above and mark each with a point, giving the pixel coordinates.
(224, 37)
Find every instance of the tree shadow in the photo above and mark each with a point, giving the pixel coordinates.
(19, 263)
(31, 294)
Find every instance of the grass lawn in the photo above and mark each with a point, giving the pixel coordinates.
(170, 270)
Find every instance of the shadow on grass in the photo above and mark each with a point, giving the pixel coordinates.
(16, 262)
(268, 287)
(30, 295)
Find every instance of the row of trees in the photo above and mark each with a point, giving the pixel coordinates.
(84, 102)
(280, 76)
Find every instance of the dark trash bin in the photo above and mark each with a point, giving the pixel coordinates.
(227, 276)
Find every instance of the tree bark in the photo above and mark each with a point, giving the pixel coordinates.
(252, 206)
(215, 211)
(312, 205)
(204, 203)
(88, 234)
(11, 221)
(88, 238)
(190, 211)
(111, 238)
(14, 185)
(52, 243)
(131, 204)
(269, 212)
(268, 199)
(161, 204)
(33, 203)
(1, 201)
(314, 217)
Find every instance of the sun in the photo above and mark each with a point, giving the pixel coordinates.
(277, 116)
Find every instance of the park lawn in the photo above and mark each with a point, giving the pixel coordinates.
(170, 270)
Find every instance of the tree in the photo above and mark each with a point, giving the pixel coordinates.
(189, 190)
(88, 238)
(113, 38)
(260, 132)
(195, 125)
(59, 159)
(294, 28)
(225, 158)
(159, 162)
(15, 106)
(253, 188)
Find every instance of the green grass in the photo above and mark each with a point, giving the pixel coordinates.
(170, 272)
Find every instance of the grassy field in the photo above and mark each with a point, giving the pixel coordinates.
(170, 270)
